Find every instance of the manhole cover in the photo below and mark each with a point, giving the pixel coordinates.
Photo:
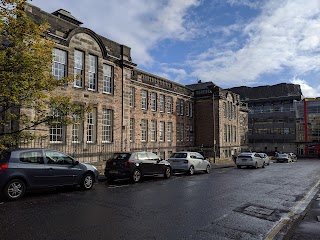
(259, 210)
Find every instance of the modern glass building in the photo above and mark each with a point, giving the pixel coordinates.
(308, 127)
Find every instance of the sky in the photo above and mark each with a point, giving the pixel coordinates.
(229, 42)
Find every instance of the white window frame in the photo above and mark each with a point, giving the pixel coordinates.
(92, 71)
(153, 131)
(56, 130)
(107, 86)
(161, 103)
(59, 63)
(132, 128)
(162, 131)
(170, 105)
(169, 132)
(132, 96)
(78, 68)
(144, 130)
(107, 126)
(144, 99)
(77, 129)
(91, 126)
(153, 101)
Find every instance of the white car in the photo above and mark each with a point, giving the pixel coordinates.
(265, 158)
(284, 157)
(250, 159)
(189, 162)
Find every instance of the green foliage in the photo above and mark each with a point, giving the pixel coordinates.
(26, 80)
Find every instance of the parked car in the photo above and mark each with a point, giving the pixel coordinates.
(136, 165)
(265, 158)
(284, 157)
(26, 169)
(189, 162)
(250, 159)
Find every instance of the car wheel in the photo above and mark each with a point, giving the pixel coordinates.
(191, 170)
(110, 179)
(87, 181)
(167, 172)
(136, 175)
(208, 168)
(263, 165)
(238, 166)
(15, 189)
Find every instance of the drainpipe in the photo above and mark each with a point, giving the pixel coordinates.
(122, 100)
(305, 126)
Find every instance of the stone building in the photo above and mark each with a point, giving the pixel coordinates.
(130, 109)
(220, 120)
(272, 116)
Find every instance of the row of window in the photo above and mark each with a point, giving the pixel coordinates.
(272, 131)
(160, 131)
(59, 70)
(161, 103)
(229, 110)
(230, 133)
(57, 131)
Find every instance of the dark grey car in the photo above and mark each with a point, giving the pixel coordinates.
(26, 169)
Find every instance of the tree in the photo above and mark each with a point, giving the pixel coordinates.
(26, 79)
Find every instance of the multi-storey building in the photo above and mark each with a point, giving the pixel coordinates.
(272, 117)
(130, 109)
(308, 127)
(220, 119)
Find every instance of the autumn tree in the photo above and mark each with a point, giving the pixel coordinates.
(26, 80)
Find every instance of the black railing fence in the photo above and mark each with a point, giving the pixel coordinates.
(96, 152)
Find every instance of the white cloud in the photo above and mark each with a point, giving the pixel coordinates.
(139, 25)
(307, 91)
(284, 36)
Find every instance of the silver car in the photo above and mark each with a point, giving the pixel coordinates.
(284, 157)
(189, 162)
(250, 160)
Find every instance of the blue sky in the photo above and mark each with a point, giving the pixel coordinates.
(229, 42)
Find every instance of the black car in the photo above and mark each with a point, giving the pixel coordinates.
(135, 165)
(26, 169)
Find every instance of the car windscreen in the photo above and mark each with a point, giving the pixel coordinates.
(282, 155)
(121, 156)
(4, 156)
(179, 155)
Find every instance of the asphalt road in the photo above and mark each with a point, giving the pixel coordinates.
(228, 203)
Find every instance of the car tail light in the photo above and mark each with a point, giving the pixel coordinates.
(127, 163)
(185, 161)
(3, 167)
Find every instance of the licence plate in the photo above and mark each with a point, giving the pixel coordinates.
(244, 159)
(113, 171)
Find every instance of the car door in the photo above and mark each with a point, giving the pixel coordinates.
(259, 159)
(195, 161)
(61, 168)
(157, 167)
(145, 164)
(202, 164)
(31, 165)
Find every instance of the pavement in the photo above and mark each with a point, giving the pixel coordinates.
(308, 226)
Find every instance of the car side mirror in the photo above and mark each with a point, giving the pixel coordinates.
(75, 163)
